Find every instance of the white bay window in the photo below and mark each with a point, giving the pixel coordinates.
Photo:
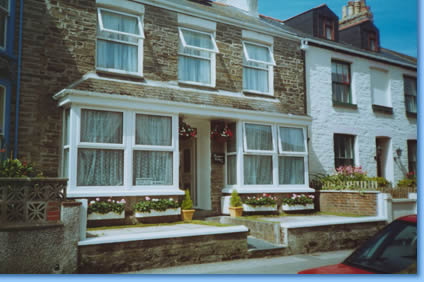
(270, 156)
(119, 152)
(196, 57)
(119, 42)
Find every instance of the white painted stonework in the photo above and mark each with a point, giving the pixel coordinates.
(159, 213)
(297, 207)
(362, 122)
(249, 208)
(103, 216)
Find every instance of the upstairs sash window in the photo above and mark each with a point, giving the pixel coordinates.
(257, 67)
(341, 82)
(196, 51)
(344, 150)
(119, 42)
(410, 88)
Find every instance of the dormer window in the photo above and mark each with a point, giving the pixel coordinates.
(327, 29)
(372, 41)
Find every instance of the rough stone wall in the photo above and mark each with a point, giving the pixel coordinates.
(362, 122)
(217, 178)
(354, 203)
(58, 47)
(146, 254)
(54, 246)
(330, 238)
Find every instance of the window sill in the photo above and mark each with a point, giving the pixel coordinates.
(271, 189)
(258, 94)
(382, 109)
(80, 193)
(345, 105)
(411, 115)
(197, 86)
(119, 75)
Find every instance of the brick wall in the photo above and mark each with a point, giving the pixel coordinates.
(345, 202)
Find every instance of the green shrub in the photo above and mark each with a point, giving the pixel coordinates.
(104, 207)
(155, 204)
(187, 203)
(16, 168)
(381, 181)
(235, 200)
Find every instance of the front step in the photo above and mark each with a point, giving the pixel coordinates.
(258, 248)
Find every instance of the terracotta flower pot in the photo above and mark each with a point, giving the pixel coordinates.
(187, 215)
(236, 211)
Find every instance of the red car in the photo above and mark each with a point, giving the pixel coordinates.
(392, 250)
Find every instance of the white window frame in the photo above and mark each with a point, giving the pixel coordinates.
(388, 90)
(212, 58)
(275, 154)
(6, 21)
(139, 44)
(304, 154)
(128, 146)
(269, 68)
(229, 154)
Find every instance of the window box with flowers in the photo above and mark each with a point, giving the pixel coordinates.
(185, 131)
(102, 210)
(221, 134)
(298, 202)
(157, 207)
(258, 204)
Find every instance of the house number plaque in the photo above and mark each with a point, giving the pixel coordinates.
(218, 158)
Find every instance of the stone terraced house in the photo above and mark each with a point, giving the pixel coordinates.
(362, 97)
(108, 84)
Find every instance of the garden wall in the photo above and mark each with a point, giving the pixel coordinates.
(42, 248)
(348, 202)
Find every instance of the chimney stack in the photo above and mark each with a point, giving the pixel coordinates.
(357, 11)
(249, 6)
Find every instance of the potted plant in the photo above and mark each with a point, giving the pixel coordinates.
(187, 210)
(298, 202)
(186, 131)
(110, 209)
(263, 203)
(156, 207)
(221, 134)
(236, 205)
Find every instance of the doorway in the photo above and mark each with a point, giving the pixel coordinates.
(195, 164)
(384, 162)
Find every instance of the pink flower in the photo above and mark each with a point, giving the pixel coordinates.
(97, 199)
(123, 201)
(147, 198)
(109, 200)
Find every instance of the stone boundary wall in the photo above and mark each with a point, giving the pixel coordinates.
(156, 253)
(268, 231)
(348, 202)
(49, 248)
(326, 238)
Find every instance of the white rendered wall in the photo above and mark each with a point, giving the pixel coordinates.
(362, 122)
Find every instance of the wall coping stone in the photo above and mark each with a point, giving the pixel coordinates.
(29, 226)
(163, 235)
(404, 201)
(340, 221)
(348, 191)
(71, 204)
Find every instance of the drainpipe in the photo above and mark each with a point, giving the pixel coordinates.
(18, 83)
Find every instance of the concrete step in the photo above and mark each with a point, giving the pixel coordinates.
(259, 248)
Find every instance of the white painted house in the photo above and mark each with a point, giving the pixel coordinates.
(362, 97)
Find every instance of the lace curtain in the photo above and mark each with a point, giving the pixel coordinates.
(292, 139)
(291, 170)
(118, 55)
(255, 75)
(153, 168)
(98, 167)
(195, 65)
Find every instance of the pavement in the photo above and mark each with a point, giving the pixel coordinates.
(274, 265)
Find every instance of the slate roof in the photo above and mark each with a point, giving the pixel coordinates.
(383, 54)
